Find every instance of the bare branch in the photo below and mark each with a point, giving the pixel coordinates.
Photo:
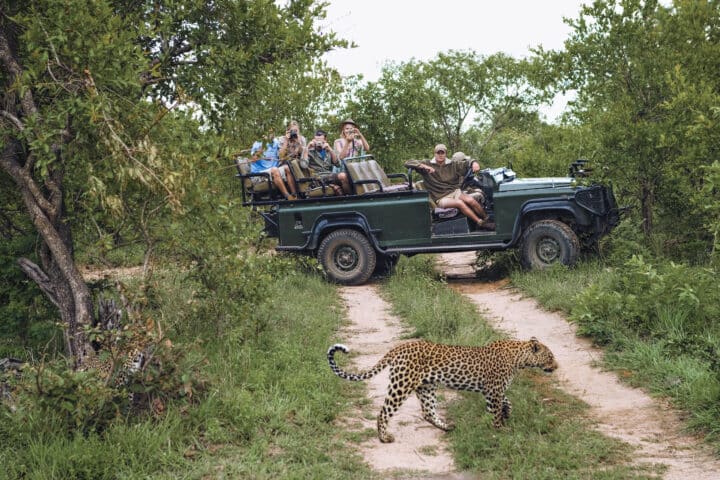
(128, 151)
(37, 275)
(16, 121)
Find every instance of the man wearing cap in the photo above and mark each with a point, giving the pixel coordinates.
(442, 181)
(351, 143)
(322, 159)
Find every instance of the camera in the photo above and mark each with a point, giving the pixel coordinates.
(293, 134)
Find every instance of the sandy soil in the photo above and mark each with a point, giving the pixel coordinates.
(621, 411)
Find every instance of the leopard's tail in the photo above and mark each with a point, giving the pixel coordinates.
(353, 377)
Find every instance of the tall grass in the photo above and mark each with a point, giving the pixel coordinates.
(548, 435)
(268, 413)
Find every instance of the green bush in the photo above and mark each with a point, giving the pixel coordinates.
(52, 398)
(647, 298)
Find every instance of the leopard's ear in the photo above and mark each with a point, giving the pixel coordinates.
(534, 344)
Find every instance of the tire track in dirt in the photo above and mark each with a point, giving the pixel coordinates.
(621, 411)
(419, 448)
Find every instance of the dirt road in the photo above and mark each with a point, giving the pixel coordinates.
(419, 447)
(622, 412)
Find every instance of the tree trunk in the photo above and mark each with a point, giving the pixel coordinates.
(58, 277)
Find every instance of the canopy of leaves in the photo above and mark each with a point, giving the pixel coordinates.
(647, 87)
(416, 104)
(117, 106)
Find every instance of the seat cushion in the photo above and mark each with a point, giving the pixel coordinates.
(445, 212)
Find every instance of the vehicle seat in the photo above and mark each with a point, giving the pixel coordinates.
(257, 191)
(368, 176)
(361, 178)
(438, 213)
(308, 183)
(385, 179)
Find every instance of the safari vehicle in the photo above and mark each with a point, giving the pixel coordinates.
(356, 235)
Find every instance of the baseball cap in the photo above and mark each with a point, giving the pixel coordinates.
(440, 146)
(460, 156)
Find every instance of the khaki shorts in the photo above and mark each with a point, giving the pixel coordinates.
(260, 179)
(450, 196)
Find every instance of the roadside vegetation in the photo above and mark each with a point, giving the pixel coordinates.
(548, 435)
(657, 321)
(259, 403)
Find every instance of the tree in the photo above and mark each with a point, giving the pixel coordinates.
(90, 117)
(417, 104)
(647, 88)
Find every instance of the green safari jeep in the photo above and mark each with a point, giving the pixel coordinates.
(354, 236)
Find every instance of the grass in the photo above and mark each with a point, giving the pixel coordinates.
(272, 405)
(269, 412)
(548, 435)
(659, 339)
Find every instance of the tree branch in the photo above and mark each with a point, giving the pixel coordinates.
(37, 275)
(16, 121)
(9, 162)
(14, 70)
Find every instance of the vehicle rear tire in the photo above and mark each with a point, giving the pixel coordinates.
(546, 242)
(385, 263)
(347, 257)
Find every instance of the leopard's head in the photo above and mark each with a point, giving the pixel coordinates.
(539, 355)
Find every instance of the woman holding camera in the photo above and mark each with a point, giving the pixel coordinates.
(293, 143)
(351, 143)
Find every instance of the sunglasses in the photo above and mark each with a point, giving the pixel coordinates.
(443, 152)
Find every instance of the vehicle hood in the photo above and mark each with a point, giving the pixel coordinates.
(535, 183)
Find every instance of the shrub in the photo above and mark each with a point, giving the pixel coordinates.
(664, 300)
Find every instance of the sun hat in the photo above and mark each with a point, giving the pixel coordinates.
(347, 121)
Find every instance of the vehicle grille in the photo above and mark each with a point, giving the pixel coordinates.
(592, 199)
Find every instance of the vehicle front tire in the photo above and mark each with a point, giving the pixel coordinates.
(347, 257)
(546, 242)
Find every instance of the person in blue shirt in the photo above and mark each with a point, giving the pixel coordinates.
(264, 159)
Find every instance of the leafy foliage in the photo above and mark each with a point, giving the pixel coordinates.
(646, 91)
(643, 297)
(416, 104)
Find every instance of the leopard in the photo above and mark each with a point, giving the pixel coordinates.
(422, 366)
(117, 351)
(117, 363)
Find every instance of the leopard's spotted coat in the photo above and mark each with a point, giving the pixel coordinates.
(422, 366)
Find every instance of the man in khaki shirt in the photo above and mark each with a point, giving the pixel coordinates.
(443, 179)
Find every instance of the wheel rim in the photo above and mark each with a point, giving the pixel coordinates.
(548, 250)
(346, 258)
